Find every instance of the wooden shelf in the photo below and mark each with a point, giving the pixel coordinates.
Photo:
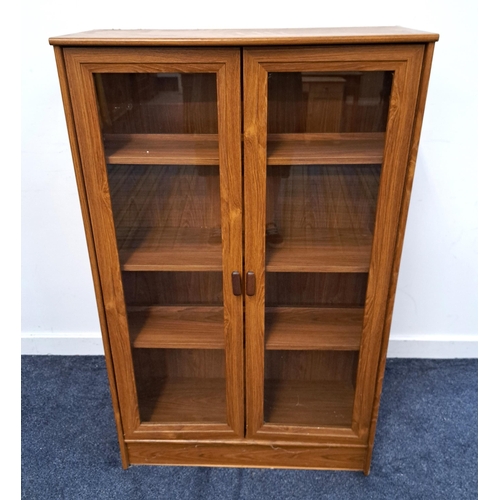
(282, 149)
(162, 149)
(156, 249)
(309, 328)
(308, 403)
(325, 149)
(177, 327)
(321, 250)
(181, 400)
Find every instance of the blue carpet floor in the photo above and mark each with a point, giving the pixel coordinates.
(425, 447)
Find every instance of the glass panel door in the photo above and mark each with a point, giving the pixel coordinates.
(160, 139)
(161, 146)
(324, 154)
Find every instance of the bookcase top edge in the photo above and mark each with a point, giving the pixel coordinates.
(245, 37)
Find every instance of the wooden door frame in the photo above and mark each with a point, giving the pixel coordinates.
(405, 60)
(81, 64)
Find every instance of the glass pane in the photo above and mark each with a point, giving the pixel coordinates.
(320, 218)
(166, 216)
(328, 102)
(325, 148)
(161, 146)
(157, 103)
(309, 387)
(180, 385)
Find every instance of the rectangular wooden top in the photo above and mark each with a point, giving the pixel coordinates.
(247, 37)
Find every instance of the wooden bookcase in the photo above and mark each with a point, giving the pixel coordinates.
(244, 195)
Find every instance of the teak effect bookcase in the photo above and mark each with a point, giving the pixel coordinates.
(245, 195)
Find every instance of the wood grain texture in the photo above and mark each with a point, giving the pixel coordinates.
(396, 155)
(181, 249)
(325, 149)
(314, 435)
(291, 376)
(327, 102)
(308, 403)
(185, 431)
(176, 327)
(93, 165)
(164, 217)
(246, 454)
(231, 192)
(175, 386)
(417, 127)
(320, 251)
(162, 149)
(157, 103)
(81, 66)
(255, 157)
(82, 194)
(158, 288)
(400, 60)
(317, 322)
(299, 328)
(316, 289)
(184, 400)
(311, 365)
(305, 36)
(155, 366)
(291, 414)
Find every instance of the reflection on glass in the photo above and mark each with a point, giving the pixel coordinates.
(166, 216)
(157, 103)
(321, 217)
(314, 388)
(161, 147)
(328, 102)
(181, 385)
(325, 152)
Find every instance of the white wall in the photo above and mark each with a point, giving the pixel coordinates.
(436, 306)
